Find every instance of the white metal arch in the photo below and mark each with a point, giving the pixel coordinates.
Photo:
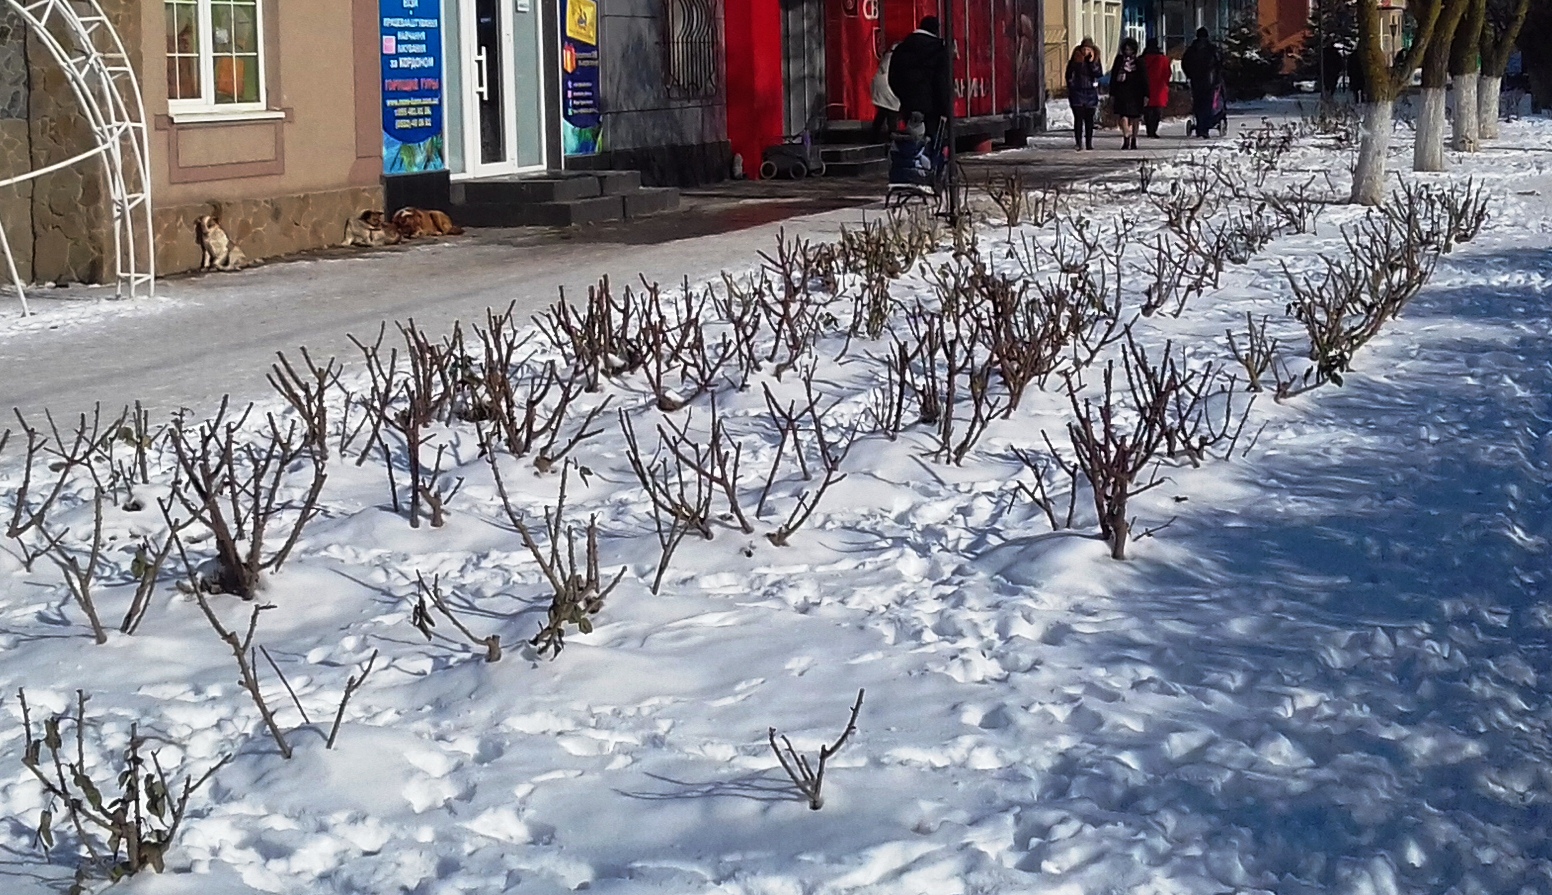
(87, 48)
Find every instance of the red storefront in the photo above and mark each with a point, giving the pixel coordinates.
(997, 63)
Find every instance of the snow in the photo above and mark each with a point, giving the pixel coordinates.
(1327, 675)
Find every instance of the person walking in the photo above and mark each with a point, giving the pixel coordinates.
(1331, 66)
(1357, 82)
(886, 117)
(1156, 66)
(1128, 91)
(1203, 65)
(920, 75)
(1083, 74)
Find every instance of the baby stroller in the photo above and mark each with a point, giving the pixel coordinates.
(1220, 107)
(797, 156)
(918, 170)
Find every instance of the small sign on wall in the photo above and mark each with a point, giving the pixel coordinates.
(413, 141)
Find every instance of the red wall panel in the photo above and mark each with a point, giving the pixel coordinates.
(754, 78)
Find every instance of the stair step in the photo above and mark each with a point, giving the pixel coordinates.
(522, 190)
(842, 154)
(646, 200)
(877, 167)
(566, 213)
(617, 183)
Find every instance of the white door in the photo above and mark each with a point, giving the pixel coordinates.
(502, 78)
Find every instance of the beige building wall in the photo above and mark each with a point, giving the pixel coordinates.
(1067, 23)
(286, 179)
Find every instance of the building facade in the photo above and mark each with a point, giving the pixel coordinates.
(286, 117)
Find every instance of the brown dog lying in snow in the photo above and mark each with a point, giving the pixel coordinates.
(414, 223)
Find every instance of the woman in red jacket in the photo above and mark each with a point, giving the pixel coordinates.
(1157, 66)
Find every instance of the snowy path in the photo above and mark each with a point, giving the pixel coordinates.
(1331, 674)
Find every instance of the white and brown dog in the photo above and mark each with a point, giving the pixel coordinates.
(217, 250)
(370, 229)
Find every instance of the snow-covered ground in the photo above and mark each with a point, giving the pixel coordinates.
(1329, 674)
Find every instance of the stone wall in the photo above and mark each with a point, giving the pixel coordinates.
(15, 143)
(69, 207)
(263, 228)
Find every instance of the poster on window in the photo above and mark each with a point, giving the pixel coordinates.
(581, 117)
(412, 87)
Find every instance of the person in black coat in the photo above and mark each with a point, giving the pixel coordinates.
(1357, 81)
(1128, 91)
(1203, 64)
(921, 77)
(1331, 66)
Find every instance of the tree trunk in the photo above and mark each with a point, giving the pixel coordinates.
(1488, 92)
(1428, 147)
(1428, 144)
(1467, 132)
(1373, 147)
(1465, 69)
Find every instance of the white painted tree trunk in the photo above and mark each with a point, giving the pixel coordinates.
(1488, 93)
(1373, 147)
(1428, 146)
(1467, 133)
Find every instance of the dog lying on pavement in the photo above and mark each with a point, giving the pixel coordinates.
(413, 223)
(371, 229)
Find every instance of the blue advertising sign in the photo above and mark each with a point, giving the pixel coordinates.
(581, 117)
(412, 86)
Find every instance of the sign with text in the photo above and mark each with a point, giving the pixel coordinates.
(412, 87)
(581, 116)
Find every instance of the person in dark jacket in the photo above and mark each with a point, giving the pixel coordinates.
(1156, 66)
(1331, 66)
(1128, 91)
(921, 77)
(1083, 74)
(1203, 64)
(1356, 80)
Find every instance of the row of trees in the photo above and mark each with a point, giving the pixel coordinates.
(1465, 44)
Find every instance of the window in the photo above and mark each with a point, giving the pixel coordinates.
(214, 60)
(691, 49)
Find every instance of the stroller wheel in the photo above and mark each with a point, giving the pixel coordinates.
(818, 170)
(798, 171)
(768, 171)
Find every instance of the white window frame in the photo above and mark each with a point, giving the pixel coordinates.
(206, 107)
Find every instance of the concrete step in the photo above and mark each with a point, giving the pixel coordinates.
(570, 213)
(617, 183)
(876, 167)
(646, 201)
(522, 190)
(834, 155)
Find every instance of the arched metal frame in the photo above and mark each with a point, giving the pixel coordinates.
(87, 48)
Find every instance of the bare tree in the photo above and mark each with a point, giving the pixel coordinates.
(577, 590)
(1428, 146)
(233, 487)
(123, 823)
(809, 779)
(1466, 74)
(429, 597)
(1501, 29)
(308, 395)
(1384, 83)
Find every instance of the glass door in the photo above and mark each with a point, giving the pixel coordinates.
(500, 69)
(489, 81)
